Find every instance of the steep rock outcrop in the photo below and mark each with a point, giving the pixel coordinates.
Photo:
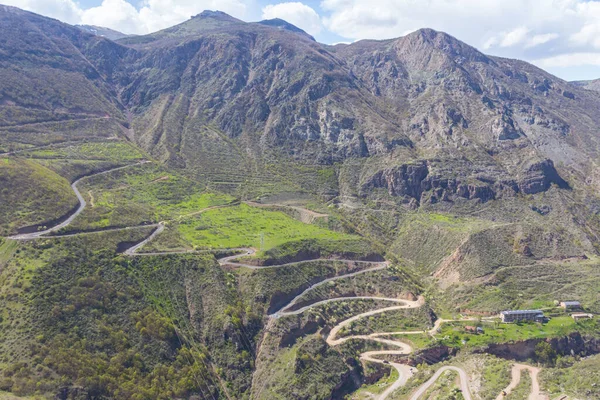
(539, 176)
(403, 180)
(503, 128)
(417, 182)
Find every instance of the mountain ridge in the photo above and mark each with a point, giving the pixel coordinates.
(103, 32)
(266, 174)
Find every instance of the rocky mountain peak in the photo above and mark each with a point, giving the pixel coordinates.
(284, 25)
(426, 40)
(219, 15)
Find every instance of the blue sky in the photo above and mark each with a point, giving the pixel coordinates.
(560, 36)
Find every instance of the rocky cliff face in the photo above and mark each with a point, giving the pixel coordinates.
(416, 183)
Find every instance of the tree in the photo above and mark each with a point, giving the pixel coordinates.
(545, 353)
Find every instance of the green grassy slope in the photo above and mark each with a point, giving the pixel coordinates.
(31, 194)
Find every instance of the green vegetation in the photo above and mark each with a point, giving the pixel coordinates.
(140, 194)
(445, 387)
(56, 294)
(109, 151)
(31, 194)
(454, 334)
(514, 287)
(245, 226)
(309, 370)
(67, 294)
(378, 387)
(272, 288)
(521, 392)
(418, 319)
(577, 378)
(389, 282)
(495, 374)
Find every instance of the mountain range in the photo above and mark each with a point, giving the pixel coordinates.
(477, 174)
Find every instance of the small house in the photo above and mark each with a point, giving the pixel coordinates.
(570, 305)
(474, 329)
(579, 316)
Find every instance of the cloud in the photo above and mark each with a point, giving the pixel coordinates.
(295, 13)
(121, 15)
(525, 29)
(514, 37)
(64, 10)
(114, 14)
(541, 39)
(569, 60)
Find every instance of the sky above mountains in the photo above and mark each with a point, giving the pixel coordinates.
(560, 36)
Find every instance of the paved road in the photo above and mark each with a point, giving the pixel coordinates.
(82, 204)
(332, 341)
(464, 383)
(66, 235)
(405, 372)
(379, 266)
(230, 261)
(132, 250)
(332, 300)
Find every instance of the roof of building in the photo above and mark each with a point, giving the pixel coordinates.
(582, 315)
(571, 303)
(517, 312)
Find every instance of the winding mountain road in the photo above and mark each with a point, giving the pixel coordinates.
(516, 373)
(80, 208)
(464, 382)
(404, 371)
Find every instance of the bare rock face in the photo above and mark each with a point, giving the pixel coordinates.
(539, 176)
(503, 128)
(403, 180)
(417, 182)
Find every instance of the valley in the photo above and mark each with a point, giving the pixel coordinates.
(232, 210)
(143, 180)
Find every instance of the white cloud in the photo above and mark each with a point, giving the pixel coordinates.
(64, 10)
(121, 15)
(526, 29)
(491, 42)
(514, 37)
(114, 14)
(295, 13)
(569, 60)
(541, 39)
